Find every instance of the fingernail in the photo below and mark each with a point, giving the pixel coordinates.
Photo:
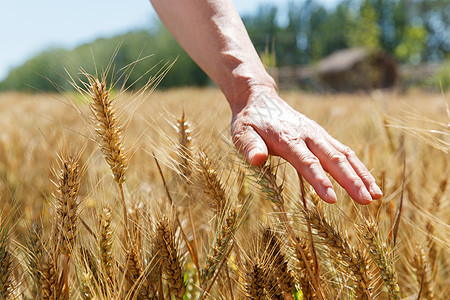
(375, 190)
(364, 194)
(252, 153)
(331, 195)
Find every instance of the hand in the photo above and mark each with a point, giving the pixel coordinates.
(268, 125)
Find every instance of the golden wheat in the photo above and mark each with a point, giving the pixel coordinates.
(104, 265)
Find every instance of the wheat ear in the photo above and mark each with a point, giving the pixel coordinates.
(255, 283)
(137, 286)
(109, 133)
(105, 244)
(185, 146)
(227, 227)
(301, 270)
(51, 289)
(380, 255)
(91, 277)
(267, 180)
(135, 218)
(423, 272)
(108, 128)
(35, 252)
(68, 184)
(279, 263)
(210, 182)
(167, 248)
(343, 254)
(5, 265)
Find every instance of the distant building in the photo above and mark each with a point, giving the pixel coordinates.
(346, 70)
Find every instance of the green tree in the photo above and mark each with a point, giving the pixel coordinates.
(413, 45)
(332, 32)
(137, 53)
(365, 31)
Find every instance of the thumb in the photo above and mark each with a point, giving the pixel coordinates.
(250, 143)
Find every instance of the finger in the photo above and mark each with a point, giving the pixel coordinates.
(337, 165)
(308, 165)
(249, 143)
(359, 168)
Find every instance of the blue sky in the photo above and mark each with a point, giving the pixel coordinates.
(28, 27)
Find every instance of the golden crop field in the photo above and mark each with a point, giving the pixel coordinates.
(86, 213)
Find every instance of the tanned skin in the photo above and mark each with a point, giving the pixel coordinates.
(213, 34)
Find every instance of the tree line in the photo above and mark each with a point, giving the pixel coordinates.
(411, 31)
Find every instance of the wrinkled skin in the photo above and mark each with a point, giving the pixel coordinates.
(268, 125)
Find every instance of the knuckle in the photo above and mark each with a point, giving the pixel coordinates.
(292, 140)
(237, 137)
(324, 182)
(337, 157)
(309, 160)
(349, 153)
(365, 175)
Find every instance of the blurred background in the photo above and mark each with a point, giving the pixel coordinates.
(313, 45)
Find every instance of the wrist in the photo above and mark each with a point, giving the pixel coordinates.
(245, 85)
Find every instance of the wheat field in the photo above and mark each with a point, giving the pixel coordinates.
(121, 195)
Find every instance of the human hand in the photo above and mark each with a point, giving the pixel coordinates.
(268, 125)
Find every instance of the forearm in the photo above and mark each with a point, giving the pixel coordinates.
(213, 34)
